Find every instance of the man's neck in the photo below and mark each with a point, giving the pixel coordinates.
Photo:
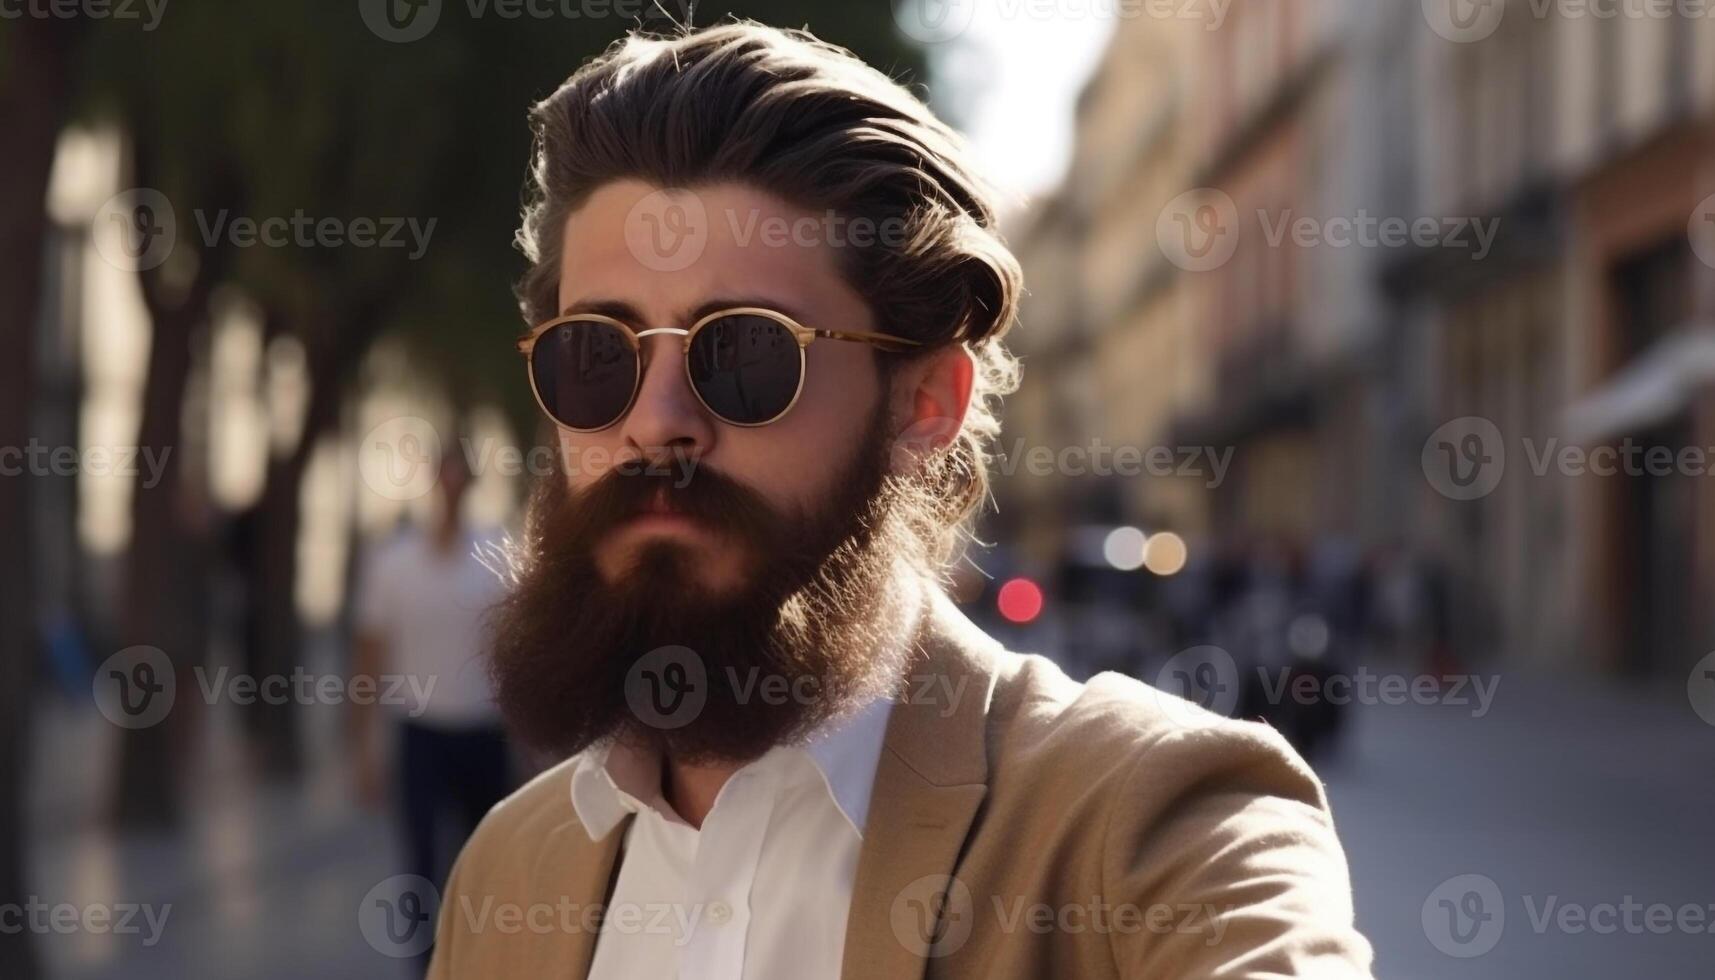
(691, 790)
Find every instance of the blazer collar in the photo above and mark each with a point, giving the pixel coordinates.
(929, 784)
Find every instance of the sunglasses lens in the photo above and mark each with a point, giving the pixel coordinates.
(585, 373)
(746, 367)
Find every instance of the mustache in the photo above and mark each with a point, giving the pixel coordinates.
(677, 483)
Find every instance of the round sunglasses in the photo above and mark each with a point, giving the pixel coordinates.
(746, 364)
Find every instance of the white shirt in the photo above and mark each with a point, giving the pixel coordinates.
(428, 605)
(763, 889)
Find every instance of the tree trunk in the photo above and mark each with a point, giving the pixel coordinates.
(34, 89)
(275, 639)
(167, 566)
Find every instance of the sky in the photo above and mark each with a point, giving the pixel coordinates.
(1011, 76)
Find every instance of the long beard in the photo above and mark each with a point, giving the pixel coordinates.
(655, 657)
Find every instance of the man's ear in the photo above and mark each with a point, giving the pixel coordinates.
(929, 399)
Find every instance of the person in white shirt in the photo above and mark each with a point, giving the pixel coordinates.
(421, 597)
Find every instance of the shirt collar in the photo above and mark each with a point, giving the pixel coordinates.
(613, 779)
(846, 754)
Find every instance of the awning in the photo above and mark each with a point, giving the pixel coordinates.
(1654, 387)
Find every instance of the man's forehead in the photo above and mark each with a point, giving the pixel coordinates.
(665, 251)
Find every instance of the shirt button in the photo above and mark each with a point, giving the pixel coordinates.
(720, 913)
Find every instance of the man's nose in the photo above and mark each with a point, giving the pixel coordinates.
(667, 414)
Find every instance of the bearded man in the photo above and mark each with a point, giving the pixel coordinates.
(767, 302)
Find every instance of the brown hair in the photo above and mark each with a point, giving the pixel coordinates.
(808, 121)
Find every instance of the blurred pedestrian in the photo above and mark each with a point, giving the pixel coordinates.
(420, 602)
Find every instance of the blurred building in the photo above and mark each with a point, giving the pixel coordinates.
(1590, 140)
(1546, 167)
(1111, 346)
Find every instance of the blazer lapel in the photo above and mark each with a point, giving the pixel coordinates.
(929, 783)
(582, 871)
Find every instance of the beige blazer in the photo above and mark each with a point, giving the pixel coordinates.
(1022, 826)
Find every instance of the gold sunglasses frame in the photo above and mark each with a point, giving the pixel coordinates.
(802, 334)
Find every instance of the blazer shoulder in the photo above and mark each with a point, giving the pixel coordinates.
(1113, 725)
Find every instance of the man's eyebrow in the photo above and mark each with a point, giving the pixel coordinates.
(623, 311)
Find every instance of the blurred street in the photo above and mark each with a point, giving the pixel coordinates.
(1568, 790)
(263, 881)
(1541, 795)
